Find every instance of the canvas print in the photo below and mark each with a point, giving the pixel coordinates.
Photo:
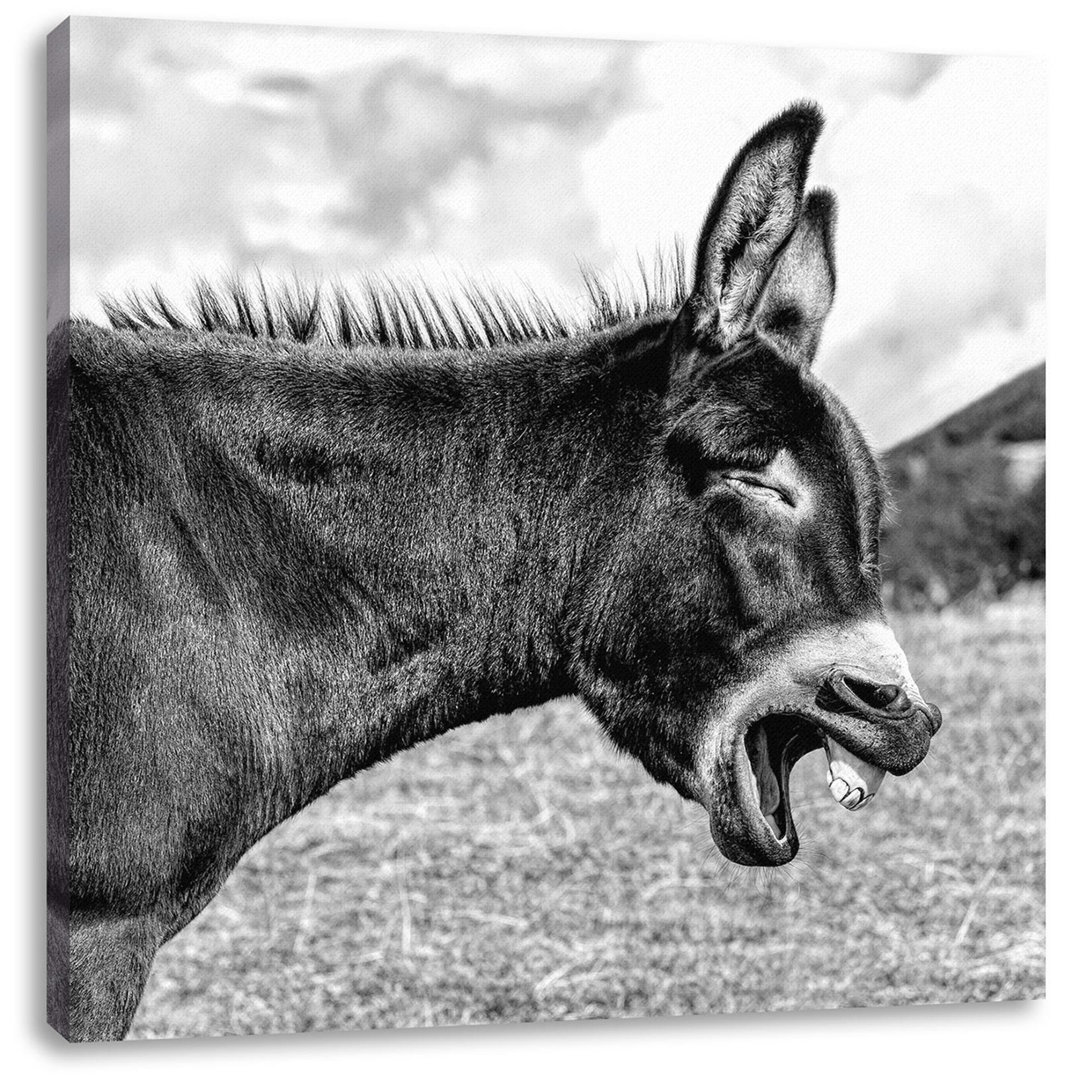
(676, 410)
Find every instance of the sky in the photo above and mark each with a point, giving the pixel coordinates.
(206, 148)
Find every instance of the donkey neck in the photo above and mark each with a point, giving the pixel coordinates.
(428, 513)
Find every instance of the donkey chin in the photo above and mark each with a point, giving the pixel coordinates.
(847, 690)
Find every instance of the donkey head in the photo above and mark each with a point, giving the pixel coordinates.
(739, 625)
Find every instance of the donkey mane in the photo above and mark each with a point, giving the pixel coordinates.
(401, 314)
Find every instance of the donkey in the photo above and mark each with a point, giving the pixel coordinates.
(280, 554)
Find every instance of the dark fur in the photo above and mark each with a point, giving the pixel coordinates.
(289, 560)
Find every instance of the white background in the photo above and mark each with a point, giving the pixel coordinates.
(969, 1041)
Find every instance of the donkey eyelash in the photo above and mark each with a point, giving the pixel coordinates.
(757, 489)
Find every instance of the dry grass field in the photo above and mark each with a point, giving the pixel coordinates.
(521, 870)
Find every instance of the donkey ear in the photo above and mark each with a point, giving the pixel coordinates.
(800, 291)
(755, 210)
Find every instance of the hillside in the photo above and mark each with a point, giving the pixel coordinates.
(970, 495)
(1013, 413)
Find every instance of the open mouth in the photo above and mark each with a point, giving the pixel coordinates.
(773, 744)
(847, 691)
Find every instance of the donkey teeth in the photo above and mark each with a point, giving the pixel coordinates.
(852, 782)
(853, 798)
(839, 789)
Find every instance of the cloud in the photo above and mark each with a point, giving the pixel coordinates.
(409, 134)
(192, 151)
(941, 241)
(856, 75)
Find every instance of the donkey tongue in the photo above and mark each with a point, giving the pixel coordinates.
(851, 780)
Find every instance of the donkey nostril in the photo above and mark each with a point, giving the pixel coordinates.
(891, 696)
(884, 696)
(842, 693)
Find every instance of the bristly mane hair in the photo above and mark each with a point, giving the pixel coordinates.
(396, 314)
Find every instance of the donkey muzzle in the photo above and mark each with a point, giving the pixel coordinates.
(845, 692)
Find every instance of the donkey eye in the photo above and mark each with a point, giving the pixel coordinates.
(754, 488)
